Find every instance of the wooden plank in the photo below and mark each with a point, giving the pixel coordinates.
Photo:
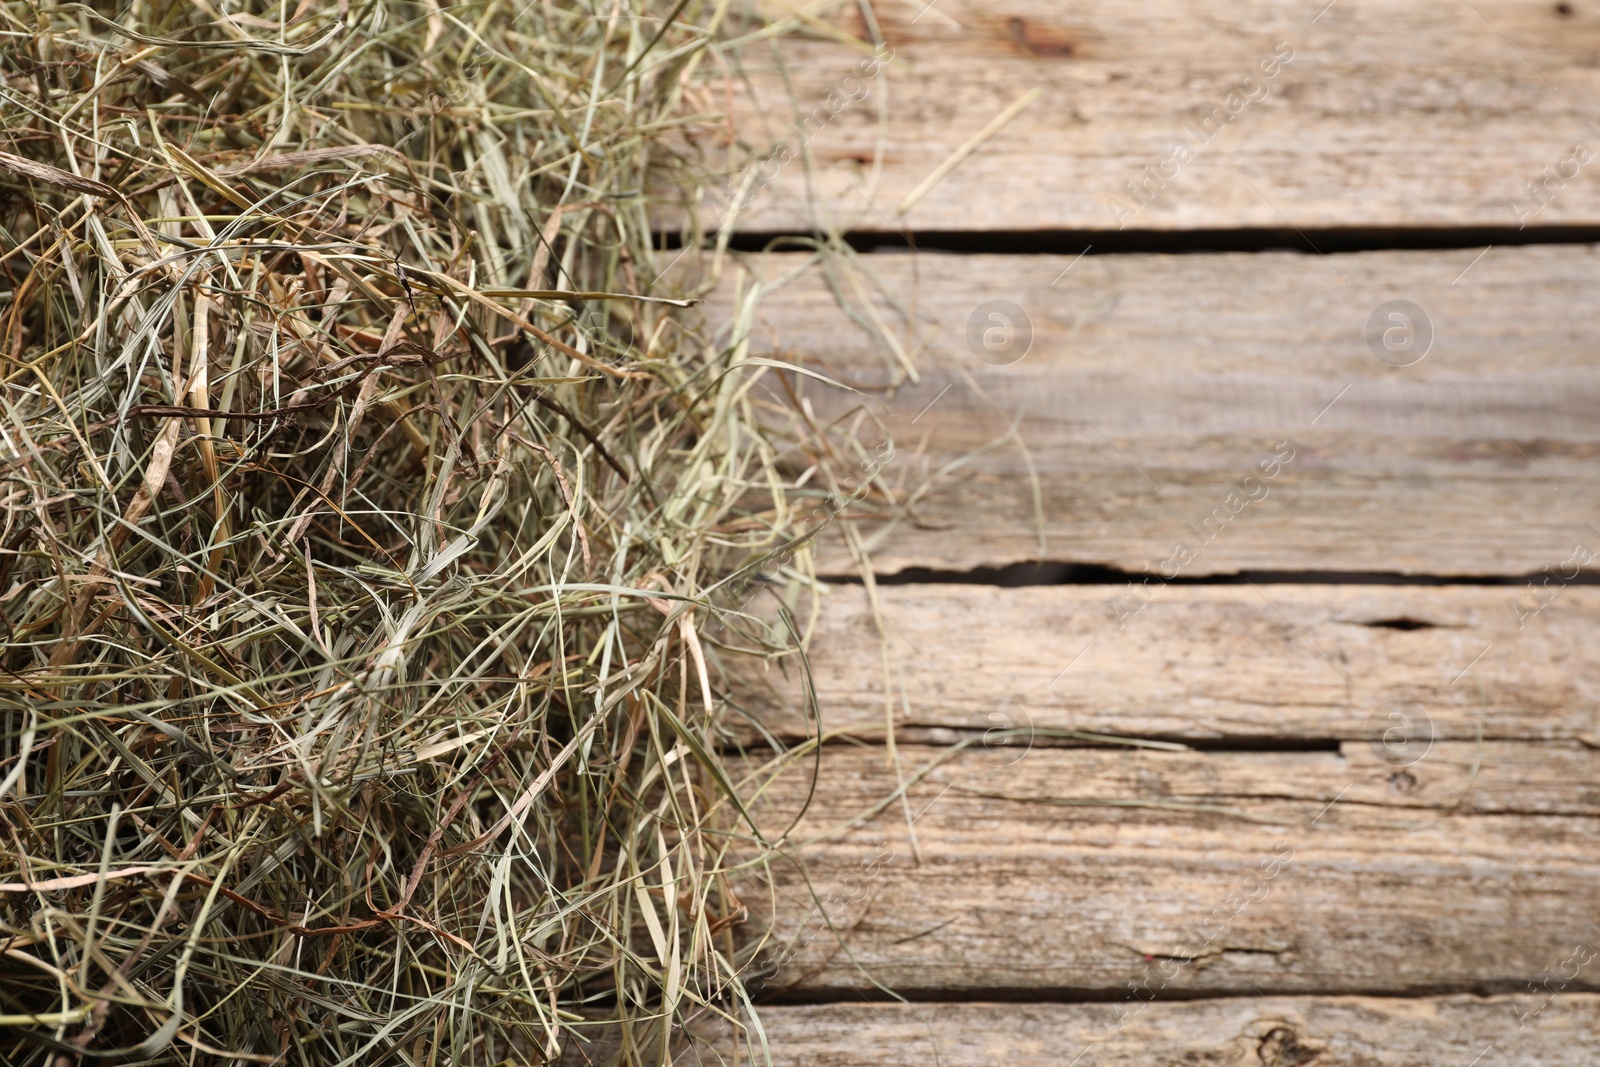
(1497, 777)
(1202, 663)
(1045, 879)
(1349, 132)
(1206, 414)
(1249, 1031)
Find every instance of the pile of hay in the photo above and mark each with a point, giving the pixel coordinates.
(366, 488)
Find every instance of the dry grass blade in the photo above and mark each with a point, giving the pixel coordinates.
(363, 484)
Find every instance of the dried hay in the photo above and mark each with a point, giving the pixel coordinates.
(366, 493)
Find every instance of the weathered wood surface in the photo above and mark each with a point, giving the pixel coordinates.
(1189, 416)
(1155, 386)
(1052, 877)
(1355, 130)
(1204, 663)
(1496, 777)
(1253, 1031)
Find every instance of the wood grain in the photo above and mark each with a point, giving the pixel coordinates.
(1353, 131)
(1155, 386)
(1253, 1031)
(1318, 870)
(1198, 663)
(1067, 874)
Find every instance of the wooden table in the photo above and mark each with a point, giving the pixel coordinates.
(1291, 481)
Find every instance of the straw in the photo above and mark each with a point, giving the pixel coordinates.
(362, 486)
